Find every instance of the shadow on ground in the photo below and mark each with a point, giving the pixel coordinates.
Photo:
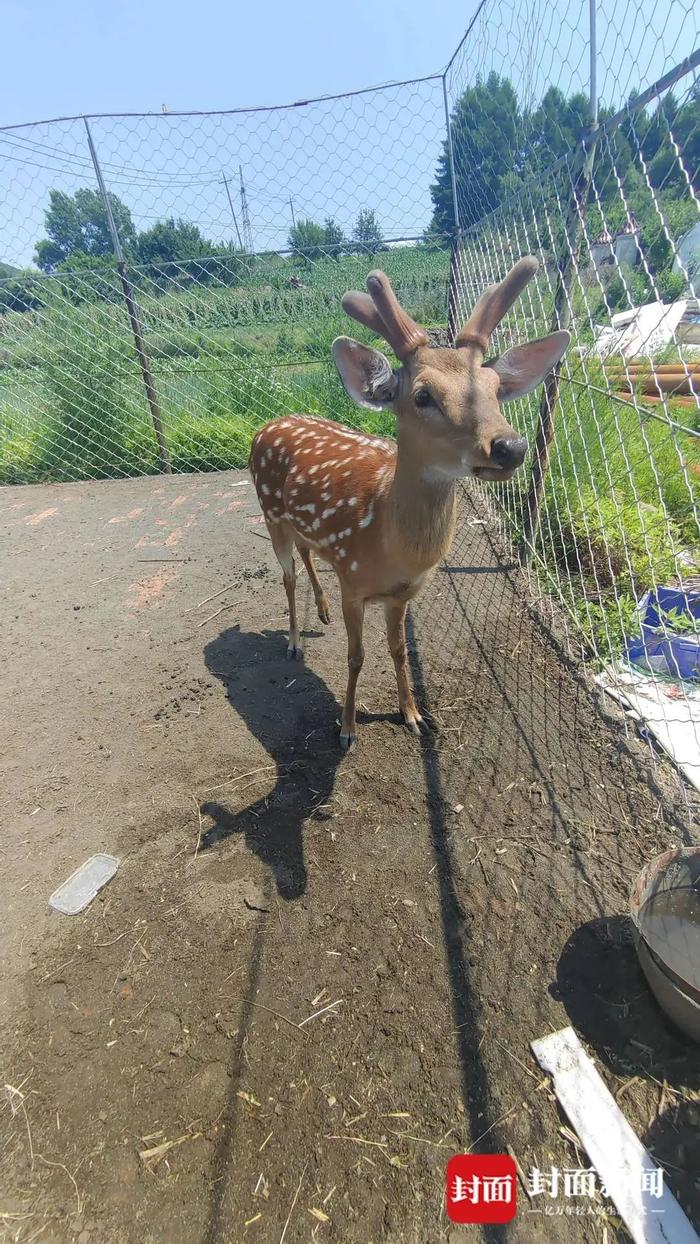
(602, 986)
(284, 705)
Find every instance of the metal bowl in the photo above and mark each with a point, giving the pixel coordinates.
(676, 875)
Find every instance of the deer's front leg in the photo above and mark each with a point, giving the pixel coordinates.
(395, 613)
(354, 615)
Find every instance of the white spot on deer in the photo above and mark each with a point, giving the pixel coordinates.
(313, 469)
(332, 538)
(300, 479)
(277, 441)
(293, 492)
(343, 534)
(352, 500)
(311, 508)
(347, 474)
(329, 512)
(265, 490)
(365, 522)
(316, 524)
(353, 565)
(278, 492)
(326, 496)
(340, 552)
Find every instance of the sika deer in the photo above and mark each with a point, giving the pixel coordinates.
(382, 512)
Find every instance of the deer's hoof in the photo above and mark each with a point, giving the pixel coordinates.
(415, 723)
(347, 742)
(294, 653)
(324, 614)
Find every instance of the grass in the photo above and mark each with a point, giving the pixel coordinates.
(620, 509)
(225, 360)
(620, 499)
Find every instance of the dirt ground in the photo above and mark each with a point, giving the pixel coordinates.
(433, 906)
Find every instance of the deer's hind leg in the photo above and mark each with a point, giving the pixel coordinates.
(282, 538)
(320, 597)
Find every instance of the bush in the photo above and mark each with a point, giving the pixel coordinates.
(98, 425)
(671, 285)
(622, 543)
(624, 288)
(23, 292)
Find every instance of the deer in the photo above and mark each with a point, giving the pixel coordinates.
(381, 511)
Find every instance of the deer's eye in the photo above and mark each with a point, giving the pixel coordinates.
(423, 398)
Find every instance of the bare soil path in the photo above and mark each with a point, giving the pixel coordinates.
(311, 980)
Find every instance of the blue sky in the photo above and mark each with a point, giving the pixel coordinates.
(376, 150)
(77, 56)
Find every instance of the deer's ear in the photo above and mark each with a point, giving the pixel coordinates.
(524, 367)
(366, 374)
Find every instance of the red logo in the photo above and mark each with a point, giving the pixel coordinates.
(481, 1187)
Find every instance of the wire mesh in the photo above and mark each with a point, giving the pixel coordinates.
(241, 230)
(609, 514)
(240, 233)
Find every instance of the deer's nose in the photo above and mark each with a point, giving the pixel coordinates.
(509, 451)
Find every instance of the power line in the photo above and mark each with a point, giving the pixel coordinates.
(137, 175)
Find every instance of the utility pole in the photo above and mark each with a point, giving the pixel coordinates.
(247, 234)
(230, 203)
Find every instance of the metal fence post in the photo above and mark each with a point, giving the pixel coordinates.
(133, 311)
(454, 255)
(561, 317)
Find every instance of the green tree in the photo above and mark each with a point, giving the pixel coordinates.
(335, 238)
(367, 233)
(552, 129)
(77, 223)
(486, 127)
(170, 240)
(307, 240)
(189, 256)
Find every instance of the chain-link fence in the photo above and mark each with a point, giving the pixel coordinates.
(169, 282)
(239, 233)
(600, 182)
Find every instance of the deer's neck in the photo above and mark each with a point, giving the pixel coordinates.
(421, 509)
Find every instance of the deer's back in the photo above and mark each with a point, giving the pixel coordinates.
(328, 481)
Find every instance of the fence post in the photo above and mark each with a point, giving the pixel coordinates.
(454, 254)
(132, 308)
(561, 318)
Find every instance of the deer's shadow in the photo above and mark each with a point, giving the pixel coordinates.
(290, 710)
